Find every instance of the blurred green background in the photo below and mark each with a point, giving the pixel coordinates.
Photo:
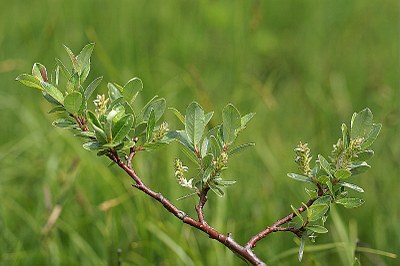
(303, 66)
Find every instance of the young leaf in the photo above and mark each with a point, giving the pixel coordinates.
(182, 138)
(74, 60)
(57, 109)
(298, 177)
(372, 135)
(342, 174)
(316, 211)
(64, 70)
(53, 92)
(216, 189)
(109, 124)
(122, 128)
(132, 89)
(345, 136)
(30, 81)
(359, 167)
(241, 147)
(91, 87)
(215, 148)
(317, 229)
(350, 202)
(207, 117)
(150, 126)
(295, 211)
(39, 72)
(64, 123)
(73, 102)
(351, 186)
(361, 123)
(92, 146)
(323, 200)
(194, 123)
(246, 119)
(113, 92)
(364, 155)
(83, 59)
(177, 114)
(325, 165)
(231, 121)
(204, 147)
(93, 119)
(158, 105)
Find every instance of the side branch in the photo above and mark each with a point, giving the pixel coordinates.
(276, 226)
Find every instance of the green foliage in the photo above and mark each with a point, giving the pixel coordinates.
(347, 159)
(209, 150)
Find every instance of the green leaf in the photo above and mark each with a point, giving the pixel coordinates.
(325, 165)
(30, 81)
(350, 202)
(158, 105)
(182, 138)
(74, 60)
(86, 134)
(92, 86)
(121, 129)
(109, 124)
(83, 59)
(298, 177)
(73, 83)
(217, 190)
(113, 92)
(132, 89)
(194, 123)
(92, 146)
(323, 200)
(359, 167)
(316, 211)
(345, 136)
(204, 147)
(351, 186)
(296, 212)
(56, 75)
(73, 102)
(317, 229)
(330, 187)
(150, 126)
(231, 121)
(246, 119)
(39, 72)
(177, 114)
(224, 183)
(64, 123)
(361, 123)
(342, 174)
(214, 146)
(364, 155)
(53, 92)
(207, 117)
(372, 135)
(64, 70)
(93, 119)
(241, 147)
(57, 109)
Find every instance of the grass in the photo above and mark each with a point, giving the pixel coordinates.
(303, 67)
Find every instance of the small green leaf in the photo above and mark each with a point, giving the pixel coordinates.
(73, 102)
(345, 136)
(30, 81)
(350, 202)
(64, 123)
(113, 92)
(330, 187)
(207, 117)
(204, 147)
(39, 72)
(231, 122)
(325, 165)
(298, 177)
(361, 123)
(158, 105)
(246, 119)
(194, 123)
(150, 126)
(53, 92)
(121, 129)
(83, 59)
(214, 146)
(296, 212)
(351, 186)
(177, 114)
(182, 138)
(217, 190)
(64, 70)
(132, 89)
(57, 109)
(92, 146)
(241, 147)
(109, 124)
(93, 119)
(86, 134)
(74, 60)
(91, 87)
(317, 229)
(364, 155)
(372, 135)
(316, 211)
(342, 174)
(359, 167)
(224, 183)
(323, 200)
